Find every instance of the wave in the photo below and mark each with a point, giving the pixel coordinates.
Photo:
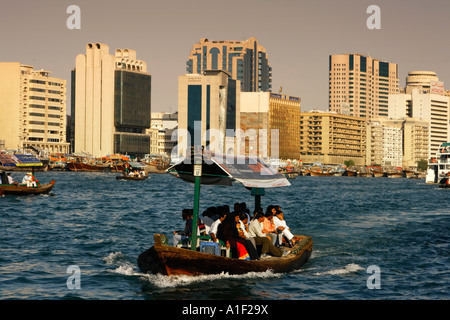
(125, 267)
(350, 268)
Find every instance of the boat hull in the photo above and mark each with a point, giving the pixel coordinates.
(23, 190)
(78, 166)
(169, 260)
(130, 178)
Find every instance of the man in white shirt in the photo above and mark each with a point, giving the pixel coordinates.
(255, 231)
(282, 228)
(215, 226)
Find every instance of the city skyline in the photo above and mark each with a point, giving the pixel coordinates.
(299, 36)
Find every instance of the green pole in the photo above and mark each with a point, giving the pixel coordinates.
(195, 217)
(197, 172)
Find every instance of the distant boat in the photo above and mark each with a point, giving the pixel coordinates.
(439, 167)
(444, 183)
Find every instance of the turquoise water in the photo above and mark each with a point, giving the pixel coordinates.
(101, 225)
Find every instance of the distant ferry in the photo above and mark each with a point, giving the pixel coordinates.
(439, 166)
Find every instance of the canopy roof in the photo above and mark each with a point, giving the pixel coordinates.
(19, 160)
(221, 169)
(137, 165)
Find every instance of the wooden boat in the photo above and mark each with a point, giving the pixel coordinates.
(350, 173)
(394, 174)
(378, 174)
(168, 260)
(9, 189)
(256, 176)
(444, 183)
(125, 177)
(314, 173)
(81, 166)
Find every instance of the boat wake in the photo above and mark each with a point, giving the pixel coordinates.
(350, 268)
(125, 267)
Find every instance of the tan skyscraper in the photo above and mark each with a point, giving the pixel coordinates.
(263, 112)
(360, 85)
(246, 61)
(110, 102)
(32, 109)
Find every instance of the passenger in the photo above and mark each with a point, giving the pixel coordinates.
(256, 232)
(207, 220)
(182, 235)
(229, 233)
(283, 229)
(3, 178)
(215, 226)
(269, 227)
(251, 244)
(11, 180)
(29, 180)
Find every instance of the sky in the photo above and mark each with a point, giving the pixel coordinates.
(298, 36)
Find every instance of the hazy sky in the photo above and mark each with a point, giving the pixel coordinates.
(298, 36)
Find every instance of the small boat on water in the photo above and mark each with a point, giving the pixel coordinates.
(439, 167)
(10, 189)
(444, 183)
(128, 177)
(255, 175)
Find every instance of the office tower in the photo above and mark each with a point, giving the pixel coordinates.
(424, 100)
(208, 111)
(263, 112)
(246, 61)
(332, 138)
(32, 109)
(360, 85)
(110, 102)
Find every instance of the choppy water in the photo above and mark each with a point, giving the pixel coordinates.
(101, 225)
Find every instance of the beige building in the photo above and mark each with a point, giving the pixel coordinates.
(360, 85)
(332, 138)
(162, 131)
(425, 99)
(246, 61)
(270, 124)
(32, 108)
(110, 102)
(415, 141)
(384, 142)
(208, 112)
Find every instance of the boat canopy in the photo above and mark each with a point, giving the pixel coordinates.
(20, 160)
(220, 169)
(137, 165)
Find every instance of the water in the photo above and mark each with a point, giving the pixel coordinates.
(101, 225)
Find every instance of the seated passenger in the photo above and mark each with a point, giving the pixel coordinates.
(215, 226)
(229, 233)
(260, 238)
(269, 227)
(282, 228)
(29, 180)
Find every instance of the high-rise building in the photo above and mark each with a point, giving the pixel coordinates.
(385, 142)
(246, 61)
(264, 114)
(110, 102)
(360, 85)
(332, 138)
(32, 109)
(208, 111)
(425, 99)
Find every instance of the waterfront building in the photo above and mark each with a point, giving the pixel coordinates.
(32, 109)
(425, 99)
(246, 61)
(332, 138)
(415, 141)
(270, 121)
(163, 126)
(110, 102)
(208, 111)
(360, 85)
(384, 142)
